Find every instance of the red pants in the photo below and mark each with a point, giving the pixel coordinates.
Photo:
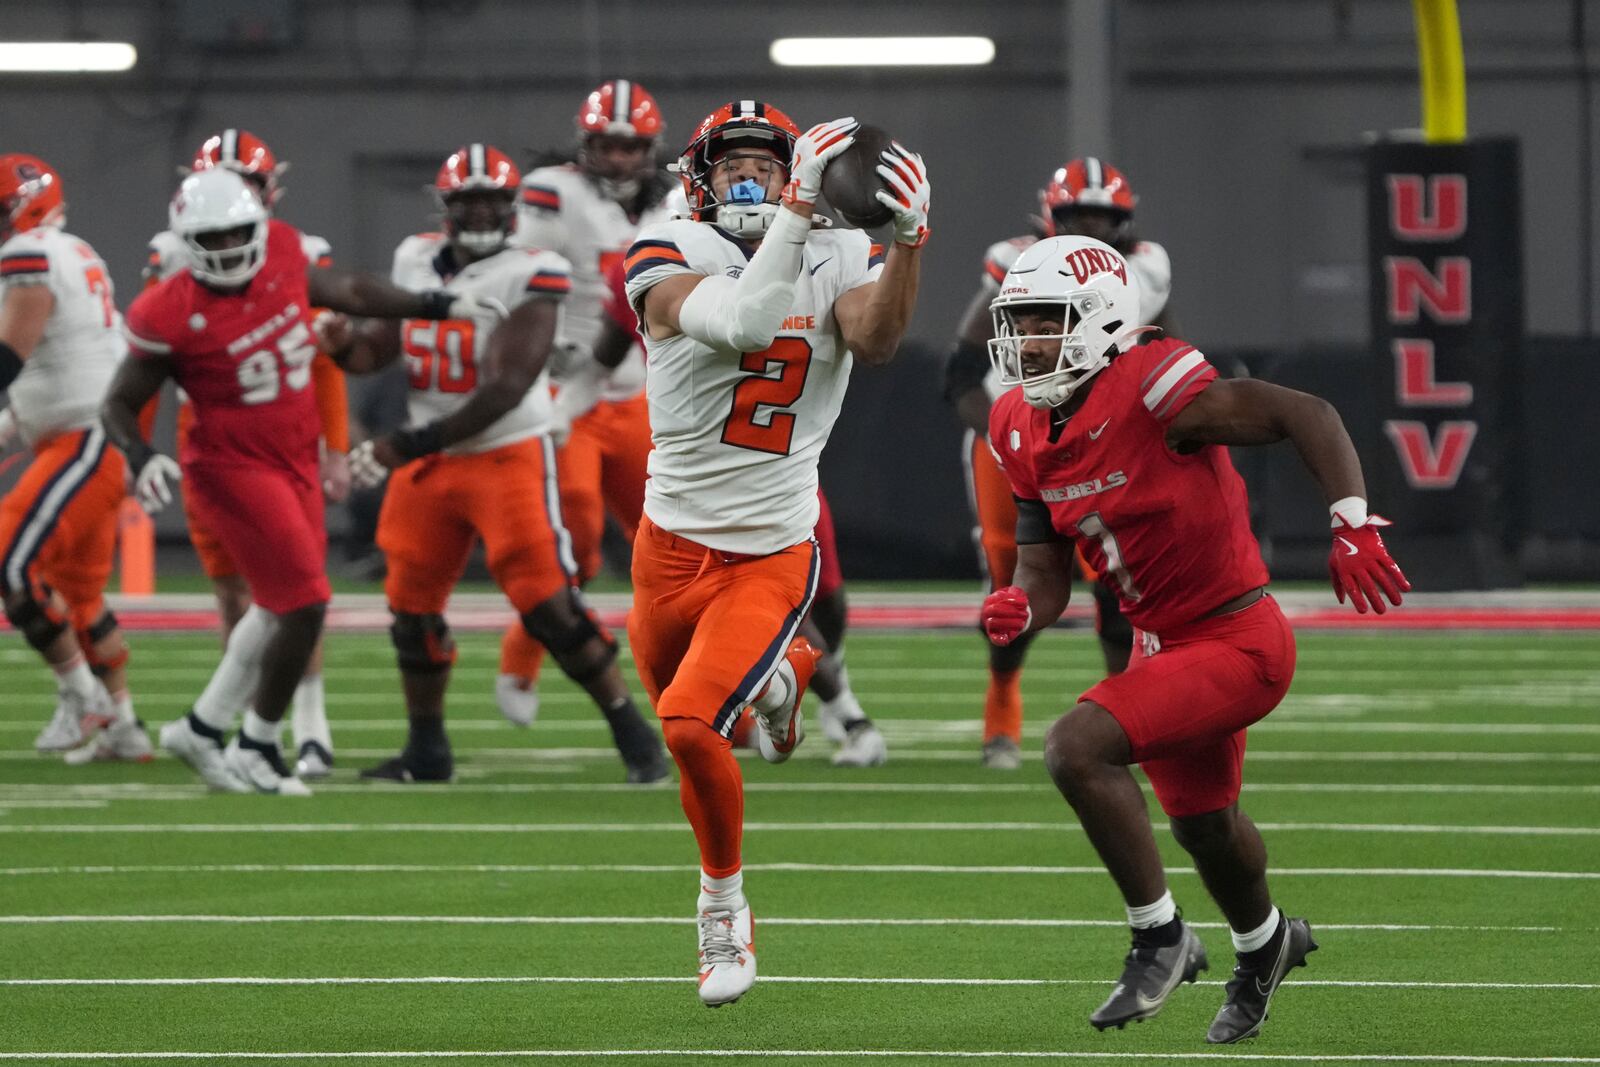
(270, 523)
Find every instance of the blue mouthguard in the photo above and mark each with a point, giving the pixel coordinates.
(748, 191)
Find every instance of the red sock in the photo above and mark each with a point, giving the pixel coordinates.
(712, 791)
(520, 654)
(1002, 706)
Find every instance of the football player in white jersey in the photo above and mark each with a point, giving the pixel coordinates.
(477, 461)
(251, 158)
(1087, 198)
(589, 211)
(753, 313)
(60, 343)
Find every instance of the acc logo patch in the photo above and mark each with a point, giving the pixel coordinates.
(197, 322)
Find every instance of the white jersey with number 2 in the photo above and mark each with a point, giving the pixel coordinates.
(737, 434)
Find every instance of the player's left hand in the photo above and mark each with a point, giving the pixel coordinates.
(335, 474)
(908, 194)
(1361, 568)
(368, 468)
(1006, 615)
(150, 485)
(472, 306)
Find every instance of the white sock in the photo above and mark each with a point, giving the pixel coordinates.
(74, 677)
(717, 894)
(779, 691)
(844, 707)
(1160, 913)
(123, 704)
(1254, 939)
(260, 730)
(233, 684)
(310, 714)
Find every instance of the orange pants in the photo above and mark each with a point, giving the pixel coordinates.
(602, 469)
(437, 506)
(58, 525)
(709, 628)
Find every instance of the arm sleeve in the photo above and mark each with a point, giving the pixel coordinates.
(332, 402)
(1034, 526)
(745, 314)
(1174, 378)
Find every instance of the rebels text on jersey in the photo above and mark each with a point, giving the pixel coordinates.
(243, 358)
(444, 356)
(65, 377)
(737, 434)
(1170, 532)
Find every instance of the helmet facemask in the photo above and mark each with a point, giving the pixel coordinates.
(620, 188)
(749, 204)
(481, 220)
(1079, 353)
(227, 258)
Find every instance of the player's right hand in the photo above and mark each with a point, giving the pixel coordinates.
(1361, 567)
(472, 306)
(907, 193)
(1006, 615)
(365, 470)
(151, 486)
(812, 153)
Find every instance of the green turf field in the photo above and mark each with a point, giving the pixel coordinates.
(1431, 803)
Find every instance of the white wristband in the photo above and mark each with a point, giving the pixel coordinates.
(1350, 512)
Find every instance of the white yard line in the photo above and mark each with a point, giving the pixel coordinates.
(1059, 826)
(761, 1054)
(898, 869)
(563, 979)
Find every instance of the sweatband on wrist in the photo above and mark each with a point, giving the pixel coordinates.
(436, 304)
(1351, 512)
(414, 442)
(10, 365)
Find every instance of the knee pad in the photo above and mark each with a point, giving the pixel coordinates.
(422, 643)
(38, 625)
(104, 627)
(563, 625)
(1109, 622)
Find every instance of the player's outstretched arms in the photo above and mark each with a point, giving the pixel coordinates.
(138, 379)
(367, 295)
(518, 351)
(1248, 412)
(873, 318)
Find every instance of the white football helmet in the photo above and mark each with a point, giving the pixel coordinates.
(213, 201)
(1098, 300)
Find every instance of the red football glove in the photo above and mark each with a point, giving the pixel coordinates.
(1005, 615)
(1361, 567)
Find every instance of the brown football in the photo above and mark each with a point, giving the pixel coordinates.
(851, 180)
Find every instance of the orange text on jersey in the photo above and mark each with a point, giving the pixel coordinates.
(800, 322)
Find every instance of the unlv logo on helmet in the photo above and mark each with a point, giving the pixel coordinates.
(1087, 262)
(28, 172)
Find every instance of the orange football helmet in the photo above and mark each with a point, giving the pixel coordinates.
(1085, 183)
(739, 124)
(478, 168)
(623, 109)
(247, 156)
(30, 193)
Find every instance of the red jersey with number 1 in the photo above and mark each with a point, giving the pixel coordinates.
(244, 359)
(1170, 532)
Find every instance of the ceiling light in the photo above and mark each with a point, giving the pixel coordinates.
(59, 57)
(882, 51)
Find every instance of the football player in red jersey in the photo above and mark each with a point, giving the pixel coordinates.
(1116, 442)
(234, 332)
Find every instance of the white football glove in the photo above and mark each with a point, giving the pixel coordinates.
(907, 196)
(365, 471)
(812, 153)
(151, 488)
(8, 428)
(471, 306)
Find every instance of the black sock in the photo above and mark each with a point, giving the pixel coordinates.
(1166, 935)
(634, 739)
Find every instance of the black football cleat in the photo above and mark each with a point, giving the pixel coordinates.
(648, 768)
(1256, 978)
(433, 765)
(1151, 973)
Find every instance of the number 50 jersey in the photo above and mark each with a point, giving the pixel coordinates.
(244, 359)
(738, 434)
(446, 358)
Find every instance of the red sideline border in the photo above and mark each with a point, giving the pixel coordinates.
(937, 617)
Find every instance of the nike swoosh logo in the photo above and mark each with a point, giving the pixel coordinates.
(819, 266)
(1094, 435)
(1353, 549)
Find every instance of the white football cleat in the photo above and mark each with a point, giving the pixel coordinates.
(201, 748)
(122, 740)
(863, 746)
(62, 732)
(517, 698)
(262, 768)
(727, 955)
(780, 730)
(834, 725)
(1001, 754)
(314, 761)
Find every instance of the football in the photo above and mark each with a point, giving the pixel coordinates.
(851, 181)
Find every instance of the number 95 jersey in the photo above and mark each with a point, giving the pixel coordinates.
(737, 434)
(244, 359)
(446, 358)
